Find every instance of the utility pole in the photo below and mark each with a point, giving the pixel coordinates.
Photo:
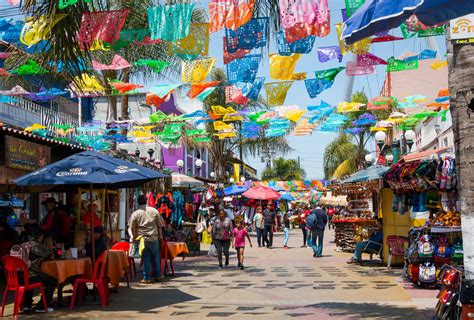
(299, 163)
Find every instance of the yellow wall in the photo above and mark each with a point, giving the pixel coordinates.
(393, 223)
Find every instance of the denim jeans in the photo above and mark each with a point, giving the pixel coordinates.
(287, 236)
(222, 246)
(49, 284)
(305, 234)
(260, 239)
(151, 256)
(317, 236)
(268, 235)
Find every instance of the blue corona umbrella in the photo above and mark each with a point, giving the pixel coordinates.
(381, 15)
(234, 190)
(286, 197)
(90, 168)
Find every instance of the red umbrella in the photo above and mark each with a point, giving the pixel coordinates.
(261, 193)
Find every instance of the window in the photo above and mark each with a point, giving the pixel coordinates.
(445, 142)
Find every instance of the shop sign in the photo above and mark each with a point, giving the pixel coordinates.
(462, 29)
(17, 116)
(25, 155)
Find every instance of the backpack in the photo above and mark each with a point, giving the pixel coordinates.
(312, 221)
(442, 253)
(427, 273)
(425, 247)
(22, 251)
(457, 252)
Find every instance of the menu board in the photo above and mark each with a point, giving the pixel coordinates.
(25, 155)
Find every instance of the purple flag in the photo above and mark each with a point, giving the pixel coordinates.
(328, 53)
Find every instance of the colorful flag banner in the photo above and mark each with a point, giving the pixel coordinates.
(299, 76)
(400, 65)
(15, 91)
(203, 95)
(29, 68)
(128, 36)
(386, 38)
(329, 74)
(198, 88)
(7, 54)
(229, 15)
(423, 55)
(170, 22)
(360, 47)
(302, 46)
(124, 88)
(413, 27)
(195, 114)
(155, 65)
(87, 84)
(101, 25)
(228, 57)
(196, 71)
(365, 119)
(294, 115)
(244, 69)
(381, 103)
(368, 59)
(352, 69)
(36, 29)
(195, 44)
(221, 111)
(117, 63)
(316, 86)
(349, 106)
(250, 36)
(153, 100)
(4, 73)
(233, 94)
(282, 67)
(162, 90)
(352, 6)
(329, 53)
(276, 92)
(62, 4)
(437, 65)
(251, 90)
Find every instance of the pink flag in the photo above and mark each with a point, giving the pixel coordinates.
(368, 59)
(352, 69)
(386, 38)
(117, 63)
(4, 55)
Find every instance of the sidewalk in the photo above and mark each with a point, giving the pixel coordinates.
(276, 284)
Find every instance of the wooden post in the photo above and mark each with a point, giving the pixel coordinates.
(109, 218)
(92, 228)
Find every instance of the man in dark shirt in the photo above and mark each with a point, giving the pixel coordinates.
(373, 243)
(317, 234)
(269, 221)
(100, 243)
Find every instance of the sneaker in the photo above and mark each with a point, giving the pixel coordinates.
(43, 310)
(285, 247)
(220, 265)
(226, 262)
(241, 267)
(145, 281)
(315, 255)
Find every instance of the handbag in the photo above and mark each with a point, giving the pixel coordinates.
(200, 226)
(212, 252)
(206, 238)
(467, 292)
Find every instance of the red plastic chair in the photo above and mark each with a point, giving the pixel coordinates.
(396, 248)
(99, 279)
(125, 246)
(12, 266)
(5, 246)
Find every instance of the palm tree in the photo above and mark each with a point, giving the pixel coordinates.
(284, 169)
(341, 157)
(461, 69)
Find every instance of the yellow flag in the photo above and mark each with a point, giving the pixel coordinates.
(196, 71)
(360, 47)
(282, 67)
(219, 126)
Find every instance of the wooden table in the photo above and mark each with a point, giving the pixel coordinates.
(64, 269)
(117, 262)
(173, 249)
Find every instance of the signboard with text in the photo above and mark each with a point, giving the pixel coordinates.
(25, 155)
(462, 29)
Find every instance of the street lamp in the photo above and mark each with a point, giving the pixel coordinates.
(242, 179)
(389, 158)
(137, 152)
(231, 180)
(198, 164)
(369, 159)
(410, 137)
(150, 153)
(180, 164)
(380, 137)
(212, 175)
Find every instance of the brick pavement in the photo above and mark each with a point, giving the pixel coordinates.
(276, 284)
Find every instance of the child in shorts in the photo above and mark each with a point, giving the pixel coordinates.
(238, 241)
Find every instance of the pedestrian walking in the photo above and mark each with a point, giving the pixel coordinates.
(269, 222)
(316, 222)
(221, 235)
(258, 226)
(286, 229)
(238, 241)
(147, 224)
(303, 215)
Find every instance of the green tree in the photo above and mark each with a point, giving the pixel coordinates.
(340, 156)
(284, 169)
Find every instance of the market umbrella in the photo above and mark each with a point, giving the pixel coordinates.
(371, 173)
(180, 180)
(287, 197)
(277, 188)
(261, 193)
(381, 15)
(234, 189)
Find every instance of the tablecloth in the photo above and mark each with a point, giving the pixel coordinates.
(176, 248)
(117, 262)
(63, 269)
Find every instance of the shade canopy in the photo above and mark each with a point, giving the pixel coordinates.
(261, 193)
(90, 168)
(180, 180)
(371, 173)
(287, 197)
(376, 16)
(277, 188)
(234, 190)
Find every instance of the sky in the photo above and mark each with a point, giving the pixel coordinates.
(310, 148)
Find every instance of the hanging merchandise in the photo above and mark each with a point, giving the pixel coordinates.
(381, 103)
(101, 25)
(244, 69)
(360, 47)
(249, 36)
(329, 53)
(36, 29)
(117, 63)
(282, 67)
(178, 208)
(233, 94)
(162, 90)
(349, 106)
(400, 65)
(316, 86)
(195, 44)
(353, 69)
(251, 90)
(155, 65)
(228, 57)
(368, 59)
(170, 22)
(196, 71)
(423, 55)
(229, 14)
(302, 46)
(276, 92)
(29, 68)
(352, 6)
(329, 74)
(198, 88)
(127, 37)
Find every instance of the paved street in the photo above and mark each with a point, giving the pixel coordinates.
(276, 284)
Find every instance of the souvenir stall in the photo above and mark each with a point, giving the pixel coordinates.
(426, 191)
